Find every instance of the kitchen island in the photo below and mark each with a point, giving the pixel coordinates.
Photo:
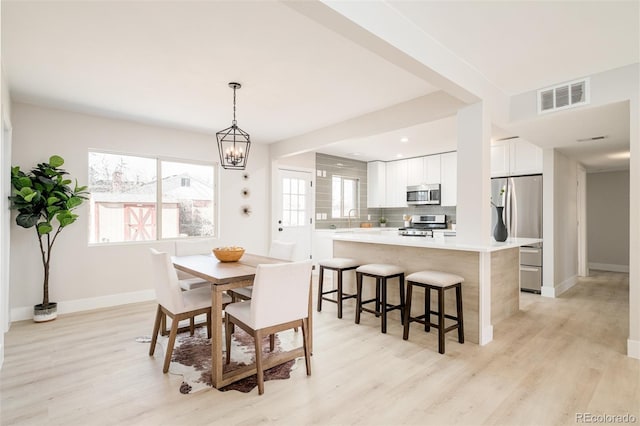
(491, 288)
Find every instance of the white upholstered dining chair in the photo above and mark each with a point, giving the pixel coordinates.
(190, 247)
(279, 250)
(176, 303)
(280, 302)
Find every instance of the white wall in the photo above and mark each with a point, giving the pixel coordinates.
(84, 277)
(608, 220)
(5, 219)
(560, 229)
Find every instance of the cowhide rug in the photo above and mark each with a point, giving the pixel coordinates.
(192, 358)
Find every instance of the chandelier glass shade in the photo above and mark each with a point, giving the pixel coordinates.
(233, 142)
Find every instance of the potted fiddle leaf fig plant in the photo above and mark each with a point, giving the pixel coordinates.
(45, 200)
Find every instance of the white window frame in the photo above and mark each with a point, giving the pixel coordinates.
(357, 196)
(159, 159)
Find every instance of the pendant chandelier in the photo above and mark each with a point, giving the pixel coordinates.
(233, 142)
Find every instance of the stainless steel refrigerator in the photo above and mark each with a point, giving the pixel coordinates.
(522, 214)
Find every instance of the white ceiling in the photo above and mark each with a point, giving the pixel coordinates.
(169, 62)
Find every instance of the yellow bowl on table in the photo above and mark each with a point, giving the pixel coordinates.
(228, 254)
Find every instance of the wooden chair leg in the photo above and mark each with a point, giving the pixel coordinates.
(440, 320)
(460, 318)
(227, 337)
(209, 325)
(407, 311)
(305, 344)
(163, 325)
(172, 339)
(339, 298)
(402, 299)
(272, 341)
(320, 282)
(358, 296)
(383, 303)
(156, 328)
(192, 325)
(257, 337)
(427, 309)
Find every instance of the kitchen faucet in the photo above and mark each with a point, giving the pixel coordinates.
(349, 216)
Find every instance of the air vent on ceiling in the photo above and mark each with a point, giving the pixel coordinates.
(563, 96)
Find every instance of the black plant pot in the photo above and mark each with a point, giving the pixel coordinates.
(500, 231)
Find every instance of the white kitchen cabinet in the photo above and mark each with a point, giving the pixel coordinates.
(396, 183)
(449, 179)
(432, 169)
(526, 158)
(415, 171)
(376, 184)
(500, 158)
(514, 157)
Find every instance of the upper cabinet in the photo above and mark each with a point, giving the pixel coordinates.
(432, 169)
(423, 170)
(376, 184)
(387, 181)
(449, 179)
(515, 157)
(396, 191)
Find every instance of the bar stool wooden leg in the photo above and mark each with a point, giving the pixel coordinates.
(402, 299)
(339, 294)
(459, 308)
(320, 283)
(407, 311)
(383, 303)
(358, 296)
(378, 284)
(427, 309)
(440, 292)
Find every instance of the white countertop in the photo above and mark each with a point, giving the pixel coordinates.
(446, 243)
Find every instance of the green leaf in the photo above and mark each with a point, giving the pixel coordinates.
(52, 200)
(66, 182)
(27, 220)
(56, 161)
(66, 218)
(24, 182)
(73, 202)
(52, 209)
(44, 228)
(25, 192)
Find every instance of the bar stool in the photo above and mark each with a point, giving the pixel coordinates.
(381, 273)
(338, 264)
(439, 281)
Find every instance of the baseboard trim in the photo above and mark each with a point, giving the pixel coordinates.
(609, 267)
(633, 348)
(557, 290)
(487, 335)
(79, 305)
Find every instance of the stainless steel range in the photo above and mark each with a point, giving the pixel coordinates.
(423, 225)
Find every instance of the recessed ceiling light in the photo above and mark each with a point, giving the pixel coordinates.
(620, 155)
(404, 139)
(355, 154)
(399, 155)
(339, 164)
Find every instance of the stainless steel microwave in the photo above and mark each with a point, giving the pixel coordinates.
(423, 194)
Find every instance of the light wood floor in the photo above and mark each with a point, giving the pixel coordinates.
(555, 358)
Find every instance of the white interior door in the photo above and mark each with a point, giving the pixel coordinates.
(294, 213)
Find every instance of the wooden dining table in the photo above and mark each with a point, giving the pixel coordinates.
(225, 276)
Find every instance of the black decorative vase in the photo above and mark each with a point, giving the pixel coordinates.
(500, 231)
